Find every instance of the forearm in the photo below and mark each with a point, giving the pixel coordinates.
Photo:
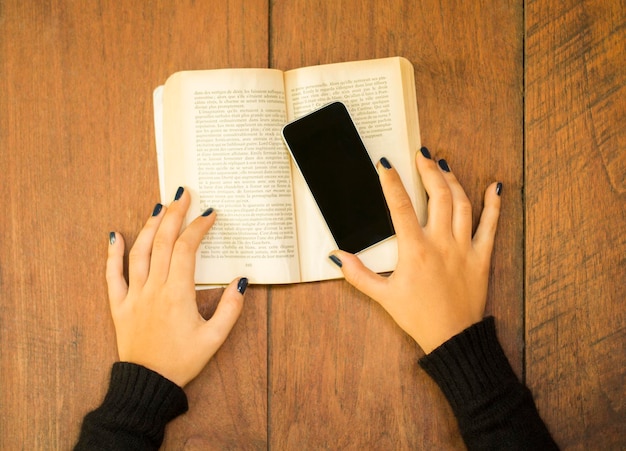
(494, 410)
(138, 405)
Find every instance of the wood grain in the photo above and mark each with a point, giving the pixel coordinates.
(576, 220)
(342, 375)
(317, 365)
(77, 158)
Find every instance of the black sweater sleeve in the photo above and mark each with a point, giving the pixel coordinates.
(493, 408)
(136, 408)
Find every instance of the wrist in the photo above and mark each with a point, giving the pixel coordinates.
(444, 333)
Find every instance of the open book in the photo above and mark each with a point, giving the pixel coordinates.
(218, 134)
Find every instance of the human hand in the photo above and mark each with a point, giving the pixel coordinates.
(439, 287)
(156, 317)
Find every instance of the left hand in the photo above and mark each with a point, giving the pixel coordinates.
(156, 317)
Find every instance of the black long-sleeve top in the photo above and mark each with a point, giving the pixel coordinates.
(493, 408)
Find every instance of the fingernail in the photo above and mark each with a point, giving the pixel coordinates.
(336, 260)
(499, 188)
(179, 193)
(207, 212)
(111, 237)
(443, 164)
(242, 285)
(425, 152)
(385, 163)
(157, 209)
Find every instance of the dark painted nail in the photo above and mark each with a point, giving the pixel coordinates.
(242, 285)
(385, 163)
(499, 188)
(425, 152)
(179, 193)
(112, 238)
(336, 260)
(157, 209)
(207, 212)
(443, 164)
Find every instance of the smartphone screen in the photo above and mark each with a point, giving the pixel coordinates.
(328, 150)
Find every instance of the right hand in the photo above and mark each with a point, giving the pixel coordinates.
(439, 287)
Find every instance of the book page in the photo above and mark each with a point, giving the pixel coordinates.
(380, 96)
(222, 140)
(157, 102)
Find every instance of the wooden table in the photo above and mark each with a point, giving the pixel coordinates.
(530, 94)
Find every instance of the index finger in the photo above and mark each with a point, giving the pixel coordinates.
(400, 206)
(183, 265)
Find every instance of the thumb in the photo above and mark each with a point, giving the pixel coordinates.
(363, 279)
(486, 231)
(228, 310)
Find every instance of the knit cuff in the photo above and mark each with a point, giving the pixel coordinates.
(470, 365)
(142, 400)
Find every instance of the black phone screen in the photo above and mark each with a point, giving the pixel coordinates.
(333, 160)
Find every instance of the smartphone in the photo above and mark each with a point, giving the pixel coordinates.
(332, 158)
